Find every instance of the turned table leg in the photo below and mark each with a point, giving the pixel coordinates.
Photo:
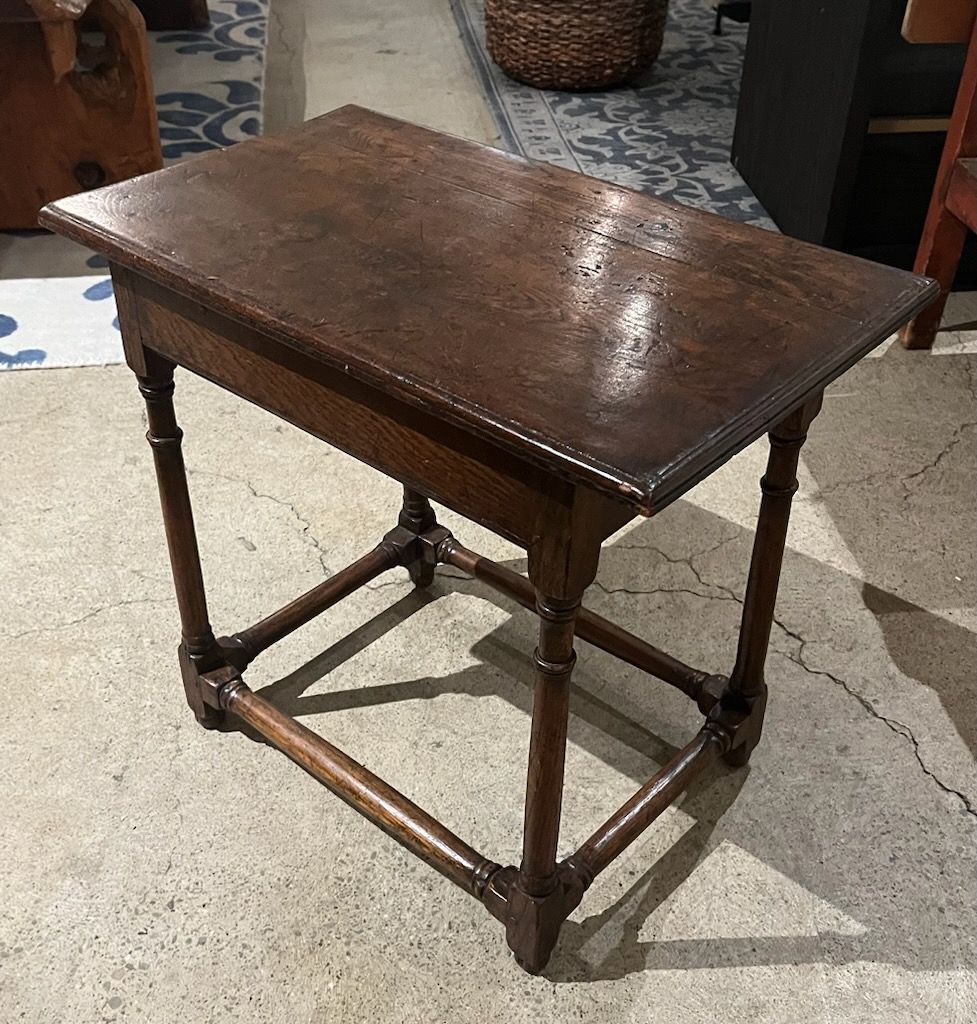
(536, 898)
(778, 485)
(417, 516)
(198, 651)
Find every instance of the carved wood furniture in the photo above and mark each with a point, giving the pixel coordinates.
(953, 205)
(547, 354)
(73, 114)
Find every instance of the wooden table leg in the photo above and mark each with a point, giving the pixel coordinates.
(536, 899)
(417, 516)
(778, 485)
(553, 661)
(199, 651)
(542, 894)
(944, 232)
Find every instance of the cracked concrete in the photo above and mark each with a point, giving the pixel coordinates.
(305, 524)
(160, 866)
(726, 594)
(162, 873)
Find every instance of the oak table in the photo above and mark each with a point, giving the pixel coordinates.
(547, 354)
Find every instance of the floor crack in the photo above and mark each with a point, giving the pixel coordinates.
(971, 370)
(282, 34)
(88, 615)
(668, 558)
(389, 583)
(306, 525)
(726, 596)
(899, 728)
(726, 593)
(958, 436)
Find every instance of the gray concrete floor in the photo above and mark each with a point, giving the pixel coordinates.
(157, 873)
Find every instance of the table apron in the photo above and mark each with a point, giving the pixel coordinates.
(461, 470)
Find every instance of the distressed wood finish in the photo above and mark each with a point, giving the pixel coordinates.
(470, 474)
(71, 119)
(548, 355)
(490, 293)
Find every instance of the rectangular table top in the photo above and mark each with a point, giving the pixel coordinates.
(626, 342)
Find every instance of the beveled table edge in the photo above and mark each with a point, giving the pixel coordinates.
(647, 495)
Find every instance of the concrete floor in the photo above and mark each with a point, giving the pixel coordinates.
(158, 873)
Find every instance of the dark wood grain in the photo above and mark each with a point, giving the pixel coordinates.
(778, 486)
(297, 613)
(545, 354)
(632, 818)
(391, 811)
(747, 685)
(506, 305)
(464, 471)
(553, 661)
(198, 648)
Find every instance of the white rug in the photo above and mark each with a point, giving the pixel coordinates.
(208, 96)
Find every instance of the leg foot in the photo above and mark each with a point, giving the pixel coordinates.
(533, 923)
(190, 668)
(748, 734)
(421, 574)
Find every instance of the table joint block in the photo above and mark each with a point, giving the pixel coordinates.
(734, 716)
(533, 922)
(217, 685)
(205, 676)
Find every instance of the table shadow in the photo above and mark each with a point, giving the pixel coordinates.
(603, 725)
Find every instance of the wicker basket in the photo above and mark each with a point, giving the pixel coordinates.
(574, 44)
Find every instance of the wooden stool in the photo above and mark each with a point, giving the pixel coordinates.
(545, 353)
(953, 205)
(72, 116)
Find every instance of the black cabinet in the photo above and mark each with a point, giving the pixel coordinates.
(841, 123)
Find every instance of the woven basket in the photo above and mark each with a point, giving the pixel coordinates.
(574, 44)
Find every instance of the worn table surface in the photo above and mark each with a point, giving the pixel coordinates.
(626, 342)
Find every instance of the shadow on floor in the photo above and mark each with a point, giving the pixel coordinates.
(615, 713)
